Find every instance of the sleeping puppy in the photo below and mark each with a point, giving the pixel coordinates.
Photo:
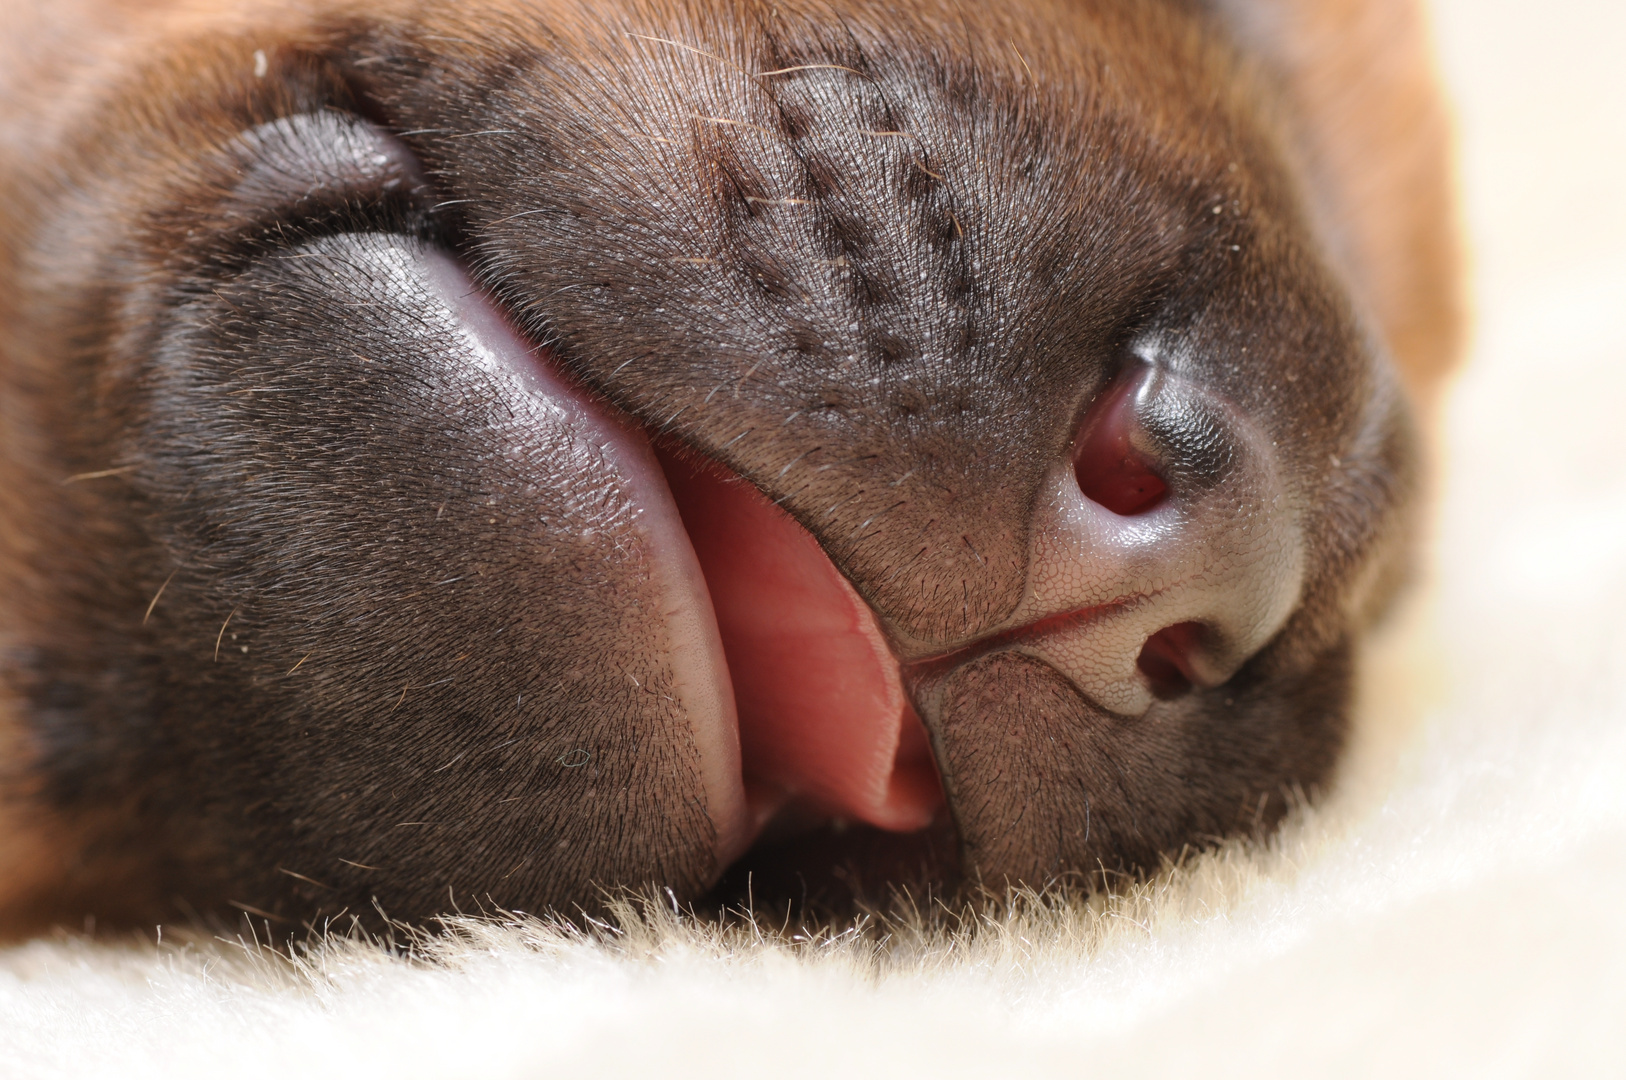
(483, 453)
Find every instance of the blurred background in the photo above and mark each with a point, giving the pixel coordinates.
(1537, 476)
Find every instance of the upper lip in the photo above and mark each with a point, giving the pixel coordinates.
(1042, 627)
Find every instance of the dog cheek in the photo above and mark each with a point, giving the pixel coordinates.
(413, 633)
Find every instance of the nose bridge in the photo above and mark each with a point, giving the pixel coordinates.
(1220, 554)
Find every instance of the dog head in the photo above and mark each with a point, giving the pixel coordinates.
(518, 449)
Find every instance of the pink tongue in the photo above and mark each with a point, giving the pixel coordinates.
(823, 718)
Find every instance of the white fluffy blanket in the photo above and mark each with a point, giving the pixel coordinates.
(1456, 906)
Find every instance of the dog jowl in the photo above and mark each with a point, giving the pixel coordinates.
(486, 454)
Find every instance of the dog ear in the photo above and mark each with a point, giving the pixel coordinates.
(1374, 144)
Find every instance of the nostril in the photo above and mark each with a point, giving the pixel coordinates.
(1165, 659)
(1110, 470)
(1123, 485)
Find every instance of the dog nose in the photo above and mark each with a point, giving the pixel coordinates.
(1166, 551)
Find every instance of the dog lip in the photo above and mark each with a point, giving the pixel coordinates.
(700, 683)
(1045, 626)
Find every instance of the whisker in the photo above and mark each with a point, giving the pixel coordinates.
(691, 49)
(811, 67)
(222, 635)
(522, 213)
(302, 877)
(729, 123)
(1022, 58)
(159, 593)
(99, 473)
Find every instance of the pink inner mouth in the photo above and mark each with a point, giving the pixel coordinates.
(824, 724)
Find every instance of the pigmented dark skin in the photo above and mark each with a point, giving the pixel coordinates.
(329, 637)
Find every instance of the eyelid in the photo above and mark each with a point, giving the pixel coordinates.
(299, 177)
(300, 157)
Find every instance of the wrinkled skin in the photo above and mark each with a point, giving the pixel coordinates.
(366, 590)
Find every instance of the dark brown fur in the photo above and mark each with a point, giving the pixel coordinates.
(233, 671)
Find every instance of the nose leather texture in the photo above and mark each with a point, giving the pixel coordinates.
(1224, 549)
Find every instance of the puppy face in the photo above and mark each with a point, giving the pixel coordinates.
(521, 449)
